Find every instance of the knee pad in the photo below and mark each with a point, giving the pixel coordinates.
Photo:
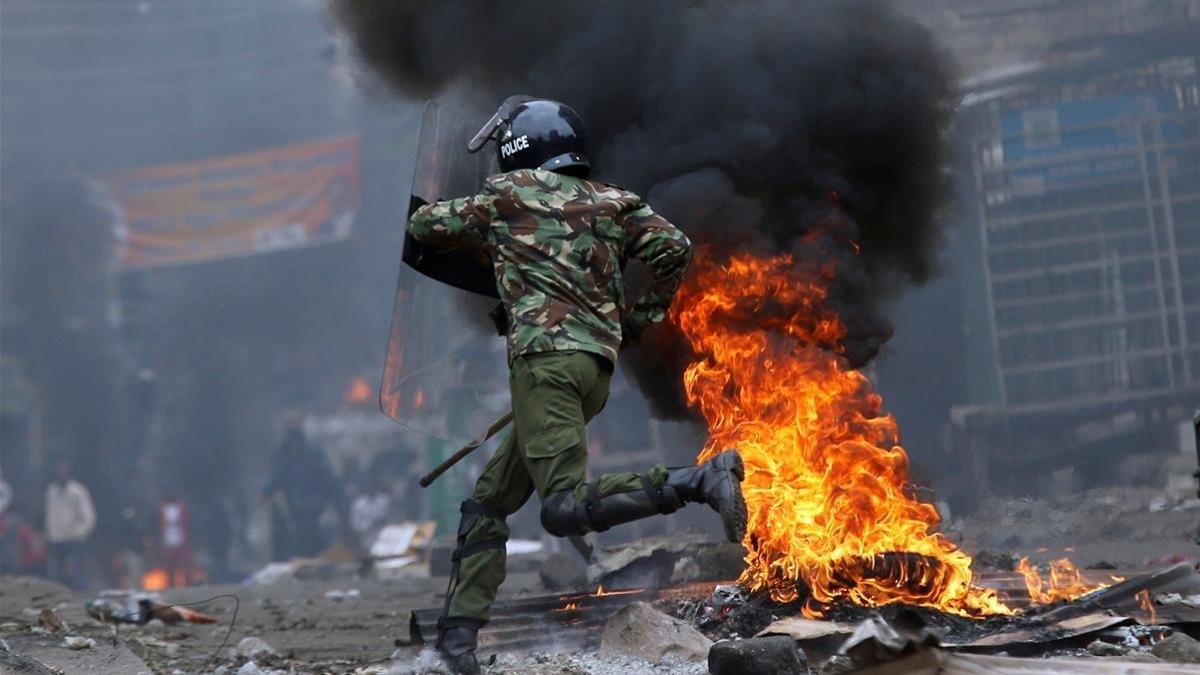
(561, 514)
(565, 516)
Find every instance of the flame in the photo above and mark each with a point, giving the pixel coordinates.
(826, 481)
(600, 592)
(1147, 606)
(419, 398)
(1063, 583)
(359, 391)
(569, 607)
(155, 579)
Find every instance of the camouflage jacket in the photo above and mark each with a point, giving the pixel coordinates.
(559, 245)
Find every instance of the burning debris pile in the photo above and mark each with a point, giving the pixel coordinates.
(826, 481)
(1149, 617)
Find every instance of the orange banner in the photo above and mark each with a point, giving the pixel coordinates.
(256, 202)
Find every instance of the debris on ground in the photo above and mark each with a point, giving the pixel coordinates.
(663, 561)
(1177, 648)
(11, 662)
(401, 549)
(171, 614)
(160, 647)
(724, 599)
(877, 640)
(775, 654)
(77, 642)
(107, 610)
(340, 594)
(49, 620)
(252, 646)
(641, 631)
(310, 626)
(1101, 648)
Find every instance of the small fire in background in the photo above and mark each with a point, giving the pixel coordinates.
(419, 398)
(1147, 606)
(830, 506)
(155, 579)
(358, 393)
(1062, 583)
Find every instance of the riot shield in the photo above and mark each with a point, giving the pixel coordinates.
(446, 373)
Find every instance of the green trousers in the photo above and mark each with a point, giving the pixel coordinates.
(554, 394)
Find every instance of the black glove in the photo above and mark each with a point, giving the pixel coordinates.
(499, 316)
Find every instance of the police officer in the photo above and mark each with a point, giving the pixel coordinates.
(558, 243)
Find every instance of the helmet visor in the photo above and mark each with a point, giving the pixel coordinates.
(503, 114)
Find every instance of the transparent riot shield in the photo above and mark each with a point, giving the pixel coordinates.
(446, 373)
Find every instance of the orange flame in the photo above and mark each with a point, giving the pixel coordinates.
(1063, 583)
(1147, 606)
(600, 592)
(155, 579)
(359, 391)
(826, 481)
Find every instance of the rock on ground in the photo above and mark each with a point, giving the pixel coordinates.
(250, 647)
(775, 654)
(640, 630)
(1177, 648)
(1102, 648)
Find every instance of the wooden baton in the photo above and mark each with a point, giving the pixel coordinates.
(467, 449)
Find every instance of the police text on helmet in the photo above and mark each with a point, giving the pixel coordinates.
(518, 143)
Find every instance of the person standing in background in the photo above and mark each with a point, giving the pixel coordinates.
(174, 540)
(299, 488)
(70, 520)
(6, 497)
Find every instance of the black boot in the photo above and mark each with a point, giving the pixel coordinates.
(717, 483)
(457, 635)
(456, 644)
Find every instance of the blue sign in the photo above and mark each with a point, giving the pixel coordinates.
(1058, 145)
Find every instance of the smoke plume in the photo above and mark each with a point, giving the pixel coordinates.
(748, 124)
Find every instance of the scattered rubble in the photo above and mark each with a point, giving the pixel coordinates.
(107, 610)
(1102, 648)
(171, 614)
(664, 561)
(11, 662)
(49, 620)
(338, 594)
(1177, 648)
(776, 654)
(160, 647)
(640, 630)
(252, 646)
(877, 641)
(306, 627)
(77, 642)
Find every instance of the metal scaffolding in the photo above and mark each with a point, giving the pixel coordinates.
(1089, 225)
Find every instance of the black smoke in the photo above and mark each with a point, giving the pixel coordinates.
(746, 123)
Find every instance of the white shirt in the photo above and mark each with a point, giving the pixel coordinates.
(6, 495)
(368, 511)
(70, 513)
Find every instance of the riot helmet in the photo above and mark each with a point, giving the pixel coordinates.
(536, 133)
